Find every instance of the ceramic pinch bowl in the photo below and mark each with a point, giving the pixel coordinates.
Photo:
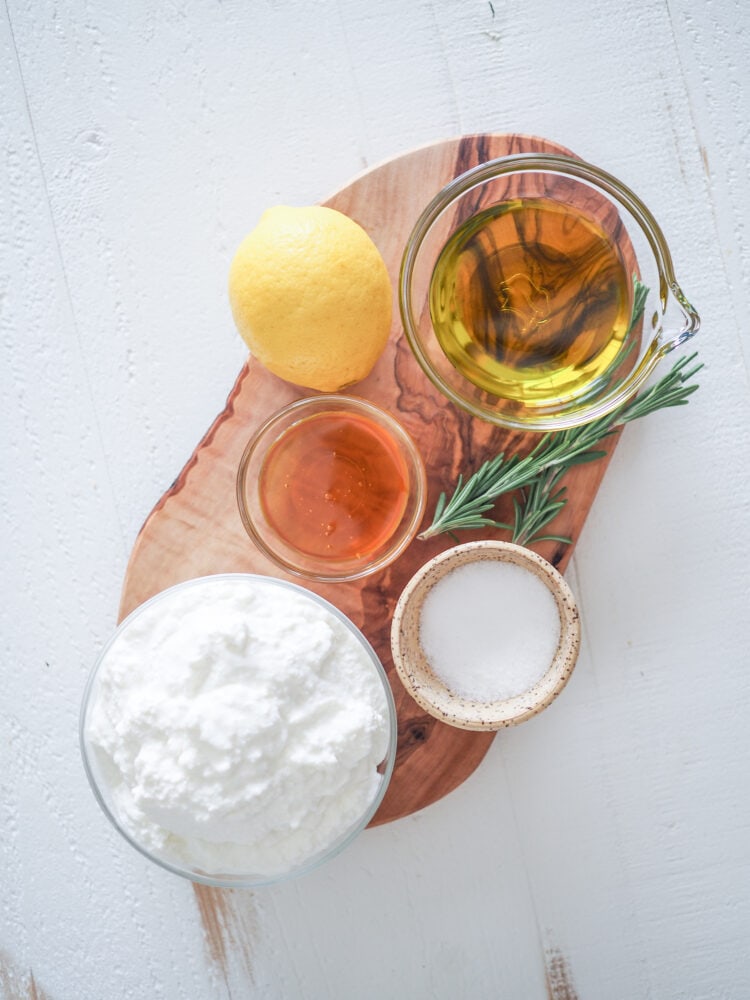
(420, 678)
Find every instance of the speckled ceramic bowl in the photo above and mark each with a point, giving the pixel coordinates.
(430, 691)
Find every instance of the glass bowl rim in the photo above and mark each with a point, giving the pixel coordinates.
(235, 880)
(417, 473)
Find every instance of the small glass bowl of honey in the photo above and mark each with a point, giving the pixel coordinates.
(332, 488)
(537, 292)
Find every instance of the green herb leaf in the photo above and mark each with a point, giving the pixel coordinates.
(538, 473)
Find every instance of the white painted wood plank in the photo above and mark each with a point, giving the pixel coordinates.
(78, 916)
(713, 41)
(667, 613)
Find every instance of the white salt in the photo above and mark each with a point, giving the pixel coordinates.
(490, 630)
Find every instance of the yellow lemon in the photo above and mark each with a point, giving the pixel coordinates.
(311, 297)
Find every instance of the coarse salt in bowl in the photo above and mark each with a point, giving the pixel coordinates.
(485, 635)
(238, 730)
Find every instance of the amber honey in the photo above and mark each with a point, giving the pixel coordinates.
(531, 301)
(334, 486)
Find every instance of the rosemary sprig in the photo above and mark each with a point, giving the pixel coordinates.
(538, 474)
(539, 504)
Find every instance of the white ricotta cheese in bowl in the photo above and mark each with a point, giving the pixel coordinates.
(238, 729)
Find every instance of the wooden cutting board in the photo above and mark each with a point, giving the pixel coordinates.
(195, 528)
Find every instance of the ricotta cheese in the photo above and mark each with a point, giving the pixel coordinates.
(238, 725)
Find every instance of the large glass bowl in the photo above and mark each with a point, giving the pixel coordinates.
(660, 316)
(97, 766)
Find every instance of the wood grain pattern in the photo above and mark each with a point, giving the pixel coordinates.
(195, 528)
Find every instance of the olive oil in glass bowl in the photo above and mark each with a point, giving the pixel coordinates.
(530, 300)
(537, 292)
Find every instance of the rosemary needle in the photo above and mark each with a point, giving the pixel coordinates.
(538, 474)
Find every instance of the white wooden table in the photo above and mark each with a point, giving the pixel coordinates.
(602, 850)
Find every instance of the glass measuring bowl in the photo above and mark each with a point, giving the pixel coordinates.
(563, 300)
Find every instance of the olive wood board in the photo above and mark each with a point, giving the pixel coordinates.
(195, 528)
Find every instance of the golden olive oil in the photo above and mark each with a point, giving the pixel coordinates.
(530, 300)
